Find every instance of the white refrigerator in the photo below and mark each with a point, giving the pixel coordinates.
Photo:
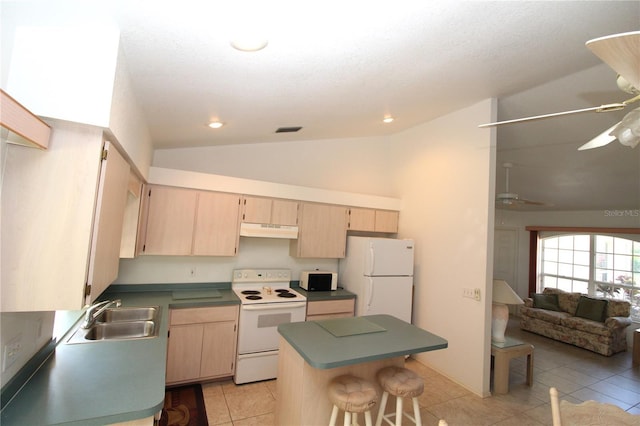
(380, 273)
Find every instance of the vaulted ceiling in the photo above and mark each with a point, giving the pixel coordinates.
(336, 68)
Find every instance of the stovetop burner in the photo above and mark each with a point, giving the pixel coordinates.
(253, 297)
(259, 286)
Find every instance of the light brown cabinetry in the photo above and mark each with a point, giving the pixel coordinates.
(372, 220)
(271, 211)
(202, 343)
(322, 231)
(63, 222)
(131, 217)
(22, 126)
(325, 309)
(190, 222)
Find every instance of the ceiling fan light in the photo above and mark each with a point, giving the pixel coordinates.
(628, 131)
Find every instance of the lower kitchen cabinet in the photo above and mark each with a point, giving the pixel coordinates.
(325, 309)
(202, 343)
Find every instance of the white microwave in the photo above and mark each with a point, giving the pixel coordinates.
(318, 280)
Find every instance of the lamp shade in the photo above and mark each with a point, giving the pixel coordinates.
(503, 293)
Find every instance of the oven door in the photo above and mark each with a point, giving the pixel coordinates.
(258, 328)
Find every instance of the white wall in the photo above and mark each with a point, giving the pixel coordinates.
(447, 188)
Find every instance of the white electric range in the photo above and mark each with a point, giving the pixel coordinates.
(266, 301)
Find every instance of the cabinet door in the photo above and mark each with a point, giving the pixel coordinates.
(256, 210)
(284, 212)
(184, 352)
(322, 232)
(170, 221)
(109, 218)
(131, 215)
(216, 229)
(386, 221)
(362, 219)
(218, 349)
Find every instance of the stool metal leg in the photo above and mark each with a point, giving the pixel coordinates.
(398, 411)
(347, 418)
(416, 412)
(334, 416)
(383, 405)
(367, 418)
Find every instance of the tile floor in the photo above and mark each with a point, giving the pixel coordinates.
(578, 375)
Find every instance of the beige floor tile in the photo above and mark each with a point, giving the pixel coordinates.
(215, 404)
(470, 410)
(265, 420)
(249, 400)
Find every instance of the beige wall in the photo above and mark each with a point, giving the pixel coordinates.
(447, 188)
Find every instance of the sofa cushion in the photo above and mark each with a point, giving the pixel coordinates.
(589, 326)
(592, 309)
(546, 301)
(567, 301)
(554, 317)
(618, 308)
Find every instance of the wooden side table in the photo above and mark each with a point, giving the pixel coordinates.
(502, 354)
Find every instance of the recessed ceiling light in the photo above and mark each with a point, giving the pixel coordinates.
(387, 119)
(249, 44)
(216, 124)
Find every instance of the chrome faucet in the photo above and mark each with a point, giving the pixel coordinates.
(96, 309)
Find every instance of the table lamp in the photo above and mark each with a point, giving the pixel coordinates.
(503, 295)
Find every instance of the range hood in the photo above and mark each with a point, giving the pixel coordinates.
(263, 230)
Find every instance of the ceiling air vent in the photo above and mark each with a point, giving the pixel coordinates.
(288, 129)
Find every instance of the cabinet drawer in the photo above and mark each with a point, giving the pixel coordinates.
(202, 315)
(325, 307)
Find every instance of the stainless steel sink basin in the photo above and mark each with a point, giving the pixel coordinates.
(128, 314)
(121, 330)
(125, 323)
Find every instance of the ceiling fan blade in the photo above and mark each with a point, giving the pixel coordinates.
(602, 139)
(601, 108)
(622, 53)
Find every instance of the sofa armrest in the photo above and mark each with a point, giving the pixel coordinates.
(617, 322)
(528, 302)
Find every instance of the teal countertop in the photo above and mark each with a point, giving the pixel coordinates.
(107, 382)
(346, 341)
(314, 296)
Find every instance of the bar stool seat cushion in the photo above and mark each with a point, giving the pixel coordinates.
(352, 394)
(400, 382)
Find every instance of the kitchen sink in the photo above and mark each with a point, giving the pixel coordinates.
(126, 323)
(128, 314)
(121, 330)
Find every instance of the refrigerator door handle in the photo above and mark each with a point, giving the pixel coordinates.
(370, 281)
(372, 257)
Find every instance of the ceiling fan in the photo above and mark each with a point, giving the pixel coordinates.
(622, 53)
(511, 199)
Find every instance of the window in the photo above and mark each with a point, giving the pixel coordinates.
(598, 265)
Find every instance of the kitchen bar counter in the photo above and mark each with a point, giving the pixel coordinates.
(314, 352)
(107, 382)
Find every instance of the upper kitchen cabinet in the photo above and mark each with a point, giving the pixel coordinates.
(131, 217)
(371, 220)
(270, 211)
(21, 126)
(322, 231)
(185, 222)
(62, 208)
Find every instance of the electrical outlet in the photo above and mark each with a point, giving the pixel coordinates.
(11, 352)
(468, 292)
(476, 294)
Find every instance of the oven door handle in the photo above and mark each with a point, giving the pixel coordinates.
(267, 306)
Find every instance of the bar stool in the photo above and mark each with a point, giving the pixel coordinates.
(401, 383)
(353, 395)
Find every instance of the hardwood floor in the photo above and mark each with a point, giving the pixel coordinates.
(578, 374)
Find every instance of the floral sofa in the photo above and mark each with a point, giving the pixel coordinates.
(590, 323)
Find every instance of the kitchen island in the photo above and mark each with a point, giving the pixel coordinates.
(314, 352)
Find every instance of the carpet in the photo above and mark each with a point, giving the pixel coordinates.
(184, 406)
